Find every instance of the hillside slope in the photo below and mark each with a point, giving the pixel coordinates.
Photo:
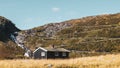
(8, 49)
(99, 33)
(86, 36)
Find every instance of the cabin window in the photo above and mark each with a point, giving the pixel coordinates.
(56, 54)
(64, 54)
(42, 53)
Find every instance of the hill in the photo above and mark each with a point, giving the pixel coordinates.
(8, 49)
(87, 36)
(93, 33)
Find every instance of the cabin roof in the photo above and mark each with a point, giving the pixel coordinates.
(53, 49)
(57, 49)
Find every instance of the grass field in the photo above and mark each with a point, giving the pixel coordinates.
(106, 61)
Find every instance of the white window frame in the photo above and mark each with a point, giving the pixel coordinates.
(42, 53)
(64, 54)
(56, 53)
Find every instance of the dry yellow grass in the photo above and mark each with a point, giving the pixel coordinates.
(107, 61)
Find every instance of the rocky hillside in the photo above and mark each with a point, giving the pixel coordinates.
(6, 28)
(91, 35)
(99, 33)
(8, 49)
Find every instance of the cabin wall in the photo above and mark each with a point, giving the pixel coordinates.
(51, 55)
(37, 54)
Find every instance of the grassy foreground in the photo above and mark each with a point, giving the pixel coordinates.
(107, 61)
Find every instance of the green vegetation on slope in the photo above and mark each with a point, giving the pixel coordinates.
(94, 34)
(86, 36)
(8, 49)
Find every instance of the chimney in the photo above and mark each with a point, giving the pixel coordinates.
(36, 47)
(53, 46)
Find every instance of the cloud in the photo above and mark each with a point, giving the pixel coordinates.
(55, 9)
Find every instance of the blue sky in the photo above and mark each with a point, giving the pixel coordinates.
(27, 14)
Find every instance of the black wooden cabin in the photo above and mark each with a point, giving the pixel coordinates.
(50, 53)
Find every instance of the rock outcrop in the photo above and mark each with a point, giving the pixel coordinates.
(6, 28)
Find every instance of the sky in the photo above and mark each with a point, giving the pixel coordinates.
(26, 14)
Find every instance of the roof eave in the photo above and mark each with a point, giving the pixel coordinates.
(39, 48)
